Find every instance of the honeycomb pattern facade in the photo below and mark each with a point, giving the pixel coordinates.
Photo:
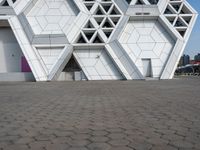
(110, 39)
(179, 15)
(147, 39)
(97, 65)
(48, 17)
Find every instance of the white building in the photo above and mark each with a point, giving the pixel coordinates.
(92, 39)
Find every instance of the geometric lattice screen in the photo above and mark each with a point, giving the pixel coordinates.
(105, 17)
(179, 15)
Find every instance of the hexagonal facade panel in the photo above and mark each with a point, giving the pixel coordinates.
(93, 39)
(97, 65)
(147, 40)
(50, 17)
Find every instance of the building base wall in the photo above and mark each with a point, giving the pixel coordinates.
(16, 76)
(72, 76)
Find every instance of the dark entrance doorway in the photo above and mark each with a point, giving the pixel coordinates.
(72, 66)
(72, 71)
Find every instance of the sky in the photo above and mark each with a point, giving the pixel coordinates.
(193, 46)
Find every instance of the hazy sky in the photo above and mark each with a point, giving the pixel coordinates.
(193, 46)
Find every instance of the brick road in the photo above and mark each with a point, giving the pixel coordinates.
(119, 115)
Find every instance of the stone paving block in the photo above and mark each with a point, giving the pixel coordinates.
(24, 140)
(16, 147)
(62, 133)
(157, 141)
(83, 130)
(130, 115)
(57, 147)
(8, 138)
(38, 145)
(99, 139)
(117, 136)
(182, 144)
(43, 137)
(16, 132)
(99, 146)
(99, 133)
(115, 130)
(121, 148)
(172, 137)
(163, 147)
(78, 142)
(77, 148)
(61, 140)
(119, 142)
(80, 136)
(142, 145)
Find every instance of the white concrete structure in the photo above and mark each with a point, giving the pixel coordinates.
(92, 39)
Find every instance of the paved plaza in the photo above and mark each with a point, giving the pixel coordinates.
(106, 115)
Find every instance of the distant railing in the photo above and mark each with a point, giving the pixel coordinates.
(188, 70)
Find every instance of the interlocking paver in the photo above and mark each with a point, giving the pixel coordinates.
(182, 144)
(16, 147)
(119, 142)
(121, 148)
(62, 133)
(57, 147)
(157, 141)
(80, 136)
(141, 145)
(117, 136)
(39, 145)
(43, 137)
(24, 140)
(107, 115)
(9, 138)
(77, 148)
(99, 139)
(99, 146)
(163, 147)
(99, 133)
(61, 140)
(79, 142)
